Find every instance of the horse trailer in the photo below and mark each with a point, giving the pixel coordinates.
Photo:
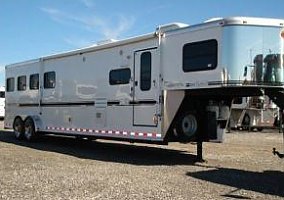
(175, 84)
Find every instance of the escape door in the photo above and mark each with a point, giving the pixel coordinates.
(146, 87)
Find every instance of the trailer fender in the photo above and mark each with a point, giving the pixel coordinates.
(37, 122)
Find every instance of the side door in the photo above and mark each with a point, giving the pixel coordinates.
(146, 87)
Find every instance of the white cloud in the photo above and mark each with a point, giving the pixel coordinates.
(117, 27)
(88, 3)
(78, 42)
(111, 27)
(55, 14)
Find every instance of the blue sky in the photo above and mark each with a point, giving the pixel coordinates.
(34, 28)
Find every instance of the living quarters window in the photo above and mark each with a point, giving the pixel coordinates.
(22, 84)
(119, 76)
(145, 71)
(10, 84)
(49, 80)
(201, 55)
(34, 82)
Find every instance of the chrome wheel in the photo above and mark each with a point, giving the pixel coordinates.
(189, 125)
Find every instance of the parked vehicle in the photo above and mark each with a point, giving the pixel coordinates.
(2, 102)
(175, 84)
(254, 113)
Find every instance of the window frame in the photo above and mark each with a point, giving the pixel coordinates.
(20, 85)
(145, 66)
(31, 84)
(8, 86)
(46, 77)
(211, 54)
(122, 81)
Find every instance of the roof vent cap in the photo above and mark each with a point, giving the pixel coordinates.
(171, 27)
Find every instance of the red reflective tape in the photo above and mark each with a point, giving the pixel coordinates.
(108, 132)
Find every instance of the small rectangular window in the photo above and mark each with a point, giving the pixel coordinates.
(119, 76)
(199, 56)
(34, 82)
(22, 84)
(145, 71)
(10, 84)
(49, 80)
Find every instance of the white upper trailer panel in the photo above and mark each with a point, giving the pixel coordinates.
(172, 27)
(223, 52)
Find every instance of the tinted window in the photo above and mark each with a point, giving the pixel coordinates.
(145, 71)
(200, 55)
(34, 81)
(10, 84)
(22, 83)
(119, 76)
(49, 80)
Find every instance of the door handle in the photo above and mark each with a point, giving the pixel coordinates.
(136, 83)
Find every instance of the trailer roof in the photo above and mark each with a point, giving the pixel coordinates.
(164, 29)
(252, 21)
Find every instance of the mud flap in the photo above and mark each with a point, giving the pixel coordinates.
(211, 126)
(209, 129)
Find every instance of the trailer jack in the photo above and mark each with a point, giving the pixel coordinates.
(199, 157)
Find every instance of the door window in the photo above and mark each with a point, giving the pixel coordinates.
(145, 71)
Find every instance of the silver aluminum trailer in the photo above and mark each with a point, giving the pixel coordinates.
(175, 84)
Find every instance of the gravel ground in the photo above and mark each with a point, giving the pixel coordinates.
(243, 167)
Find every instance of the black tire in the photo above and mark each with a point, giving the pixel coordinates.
(19, 128)
(246, 122)
(30, 133)
(187, 126)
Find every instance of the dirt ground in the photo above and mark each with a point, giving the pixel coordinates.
(243, 167)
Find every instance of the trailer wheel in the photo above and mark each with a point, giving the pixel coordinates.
(30, 133)
(187, 126)
(246, 122)
(19, 129)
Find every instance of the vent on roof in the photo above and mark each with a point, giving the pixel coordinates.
(213, 19)
(170, 27)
